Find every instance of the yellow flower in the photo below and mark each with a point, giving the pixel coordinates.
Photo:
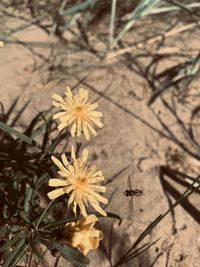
(80, 182)
(78, 112)
(82, 234)
(1, 44)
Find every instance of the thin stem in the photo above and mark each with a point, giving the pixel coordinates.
(42, 215)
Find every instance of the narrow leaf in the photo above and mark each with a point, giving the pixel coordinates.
(11, 242)
(142, 9)
(15, 255)
(72, 254)
(27, 201)
(11, 131)
(35, 250)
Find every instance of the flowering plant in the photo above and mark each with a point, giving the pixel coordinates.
(29, 165)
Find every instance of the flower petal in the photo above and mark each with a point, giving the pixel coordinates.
(92, 130)
(68, 117)
(60, 105)
(86, 132)
(64, 174)
(82, 208)
(55, 193)
(71, 198)
(64, 160)
(91, 219)
(91, 107)
(57, 97)
(69, 188)
(98, 188)
(97, 196)
(59, 114)
(97, 122)
(84, 155)
(58, 163)
(73, 129)
(73, 156)
(79, 127)
(99, 209)
(83, 95)
(96, 114)
(68, 93)
(57, 182)
(62, 125)
(74, 206)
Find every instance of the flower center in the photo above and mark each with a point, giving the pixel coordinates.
(81, 183)
(79, 112)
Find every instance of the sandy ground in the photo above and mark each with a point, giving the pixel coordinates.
(125, 144)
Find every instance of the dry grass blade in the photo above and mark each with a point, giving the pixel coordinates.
(142, 9)
(26, 25)
(112, 23)
(173, 8)
(154, 39)
(178, 77)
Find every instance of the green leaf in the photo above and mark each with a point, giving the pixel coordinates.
(35, 250)
(11, 242)
(40, 181)
(78, 8)
(19, 135)
(46, 137)
(67, 252)
(177, 77)
(17, 252)
(47, 243)
(54, 207)
(28, 197)
(142, 9)
(42, 216)
(72, 254)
